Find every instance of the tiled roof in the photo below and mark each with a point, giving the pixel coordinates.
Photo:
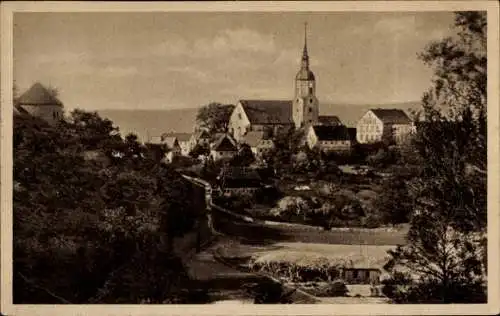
(182, 137)
(392, 116)
(201, 134)
(38, 95)
(224, 143)
(268, 111)
(324, 132)
(240, 173)
(237, 177)
(329, 120)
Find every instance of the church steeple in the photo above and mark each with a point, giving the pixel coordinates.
(305, 55)
(305, 104)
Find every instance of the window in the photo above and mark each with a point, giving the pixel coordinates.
(310, 90)
(239, 116)
(310, 100)
(54, 115)
(310, 110)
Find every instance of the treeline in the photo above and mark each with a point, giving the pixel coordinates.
(94, 215)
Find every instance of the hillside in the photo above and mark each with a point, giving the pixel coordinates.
(146, 123)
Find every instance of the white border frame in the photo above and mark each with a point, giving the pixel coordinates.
(7, 10)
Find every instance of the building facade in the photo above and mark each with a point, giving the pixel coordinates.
(329, 138)
(39, 102)
(379, 125)
(223, 148)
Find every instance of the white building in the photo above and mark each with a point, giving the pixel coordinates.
(383, 125)
(329, 138)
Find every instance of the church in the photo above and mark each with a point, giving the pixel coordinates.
(269, 116)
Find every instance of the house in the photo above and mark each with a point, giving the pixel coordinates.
(259, 142)
(174, 147)
(183, 140)
(201, 137)
(239, 180)
(38, 101)
(329, 138)
(223, 148)
(383, 125)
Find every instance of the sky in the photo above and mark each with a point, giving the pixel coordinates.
(166, 60)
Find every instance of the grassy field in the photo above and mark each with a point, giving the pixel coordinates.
(306, 254)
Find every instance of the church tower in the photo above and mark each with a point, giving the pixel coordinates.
(305, 103)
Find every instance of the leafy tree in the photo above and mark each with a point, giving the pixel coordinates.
(445, 252)
(214, 117)
(395, 204)
(85, 229)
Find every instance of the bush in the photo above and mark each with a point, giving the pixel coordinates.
(338, 288)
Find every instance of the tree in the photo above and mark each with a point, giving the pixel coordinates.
(83, 229)
(445, 250)
(214, 117)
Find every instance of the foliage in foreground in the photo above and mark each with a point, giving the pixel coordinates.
(445, 257)
(92, 213)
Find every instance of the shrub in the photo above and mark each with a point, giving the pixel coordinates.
(338, 288)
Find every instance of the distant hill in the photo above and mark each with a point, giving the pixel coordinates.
(147, 123)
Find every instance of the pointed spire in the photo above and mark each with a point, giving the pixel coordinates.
(304, 53)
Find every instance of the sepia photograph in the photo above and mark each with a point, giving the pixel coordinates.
(266, 156)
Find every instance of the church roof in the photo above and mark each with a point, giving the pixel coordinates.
(329, 120)
(224, 143)
(268, 111)
(391, 116)
(38, 95)
(182, 137)
(325, 132)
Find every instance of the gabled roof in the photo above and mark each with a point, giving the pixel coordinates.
(268, 111)
(329, 120)
(391, 116)
(171, 141)
(181, 137)
(38, 95)
(238, 177)
(224, 143)
(203, 134)
(254, 138)
(324, 132)
(18, 110)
